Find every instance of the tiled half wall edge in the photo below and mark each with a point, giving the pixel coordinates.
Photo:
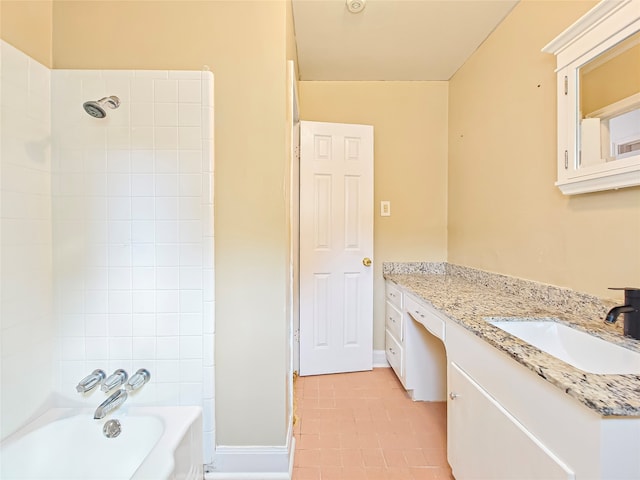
(26, 315)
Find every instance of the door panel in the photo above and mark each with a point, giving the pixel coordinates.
(336, 234)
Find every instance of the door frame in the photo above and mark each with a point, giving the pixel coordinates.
(293, 270)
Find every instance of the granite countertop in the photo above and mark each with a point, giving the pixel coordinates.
(468, 296)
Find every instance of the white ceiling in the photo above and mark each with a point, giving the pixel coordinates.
(391, 39)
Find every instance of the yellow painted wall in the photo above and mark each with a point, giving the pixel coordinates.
(26, 24)
(244, 43)
(505, 214)
(410, 165)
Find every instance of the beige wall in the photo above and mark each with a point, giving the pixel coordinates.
(505, 214)
(26, 24)
(244, 43)
(410, 165)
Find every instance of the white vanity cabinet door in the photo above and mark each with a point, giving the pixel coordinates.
(486, 442)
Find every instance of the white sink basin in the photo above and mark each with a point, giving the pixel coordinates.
(583, 351)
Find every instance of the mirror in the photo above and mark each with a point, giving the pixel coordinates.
(609, 104)
(598, 95)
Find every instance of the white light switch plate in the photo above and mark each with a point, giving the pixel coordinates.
(385, 208)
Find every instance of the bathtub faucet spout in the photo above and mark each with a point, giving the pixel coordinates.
(114, 401)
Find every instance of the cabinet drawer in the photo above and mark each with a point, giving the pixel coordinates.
(425, 315)
(394, 295)
(394, 355)
(394, 321)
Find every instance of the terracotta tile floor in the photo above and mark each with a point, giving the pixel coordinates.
(363, 425)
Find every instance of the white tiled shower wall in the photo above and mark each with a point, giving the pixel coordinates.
(26, 319)
(107, 242)
(133, 233)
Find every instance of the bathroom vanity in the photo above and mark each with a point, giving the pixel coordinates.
(414, 351)
(513, 411)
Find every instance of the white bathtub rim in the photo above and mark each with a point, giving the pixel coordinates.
(176, 422)
(158, 464)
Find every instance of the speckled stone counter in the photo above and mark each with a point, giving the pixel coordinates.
(467, 297)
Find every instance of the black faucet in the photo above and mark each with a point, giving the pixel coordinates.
(631, 310)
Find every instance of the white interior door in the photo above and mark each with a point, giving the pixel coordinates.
(336, 248)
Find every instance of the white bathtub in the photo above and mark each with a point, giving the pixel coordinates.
(156, 443)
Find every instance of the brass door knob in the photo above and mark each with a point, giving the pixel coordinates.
(366, 261)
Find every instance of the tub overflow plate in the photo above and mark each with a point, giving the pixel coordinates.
(112, 429)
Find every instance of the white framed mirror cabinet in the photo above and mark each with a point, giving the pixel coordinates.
(598, 69)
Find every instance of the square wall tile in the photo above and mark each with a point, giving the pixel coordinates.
(190, 91)
(97, 348)
(189, 115)
(120, 324)
(143, 325)
(143, 231)
(166, 231)
(142, 114)
(191, 347)
(144, 255)
(165, 138)
(167, 301)
(191, 324)
(120, 348)
(168, 324)
(168, 348)
(142, 161)
(166, 161)
(190, 371)
(143, 208)
(166, 114)
(144, 347)
(144, 301)
(119, 278)
(142, 89)
(143, 278)
(165, 91)
(96, 325)
(168, 278)
(191, 393)
(72, 348)
(142, 185)
(168, 371)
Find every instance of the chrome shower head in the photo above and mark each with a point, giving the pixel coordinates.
(96, 109)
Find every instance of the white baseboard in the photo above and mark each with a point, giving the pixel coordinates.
(263, 463)
(252, 463)
(380, 359)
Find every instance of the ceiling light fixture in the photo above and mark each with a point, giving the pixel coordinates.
(355, 6)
